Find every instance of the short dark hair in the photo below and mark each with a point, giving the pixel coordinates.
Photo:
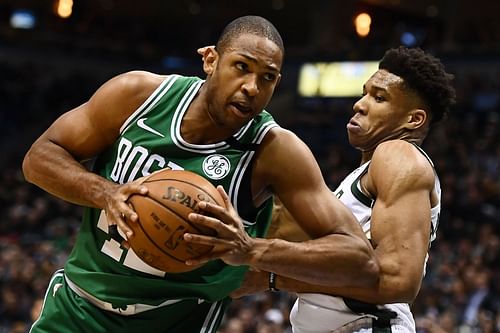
(255, 25)
(424, 74)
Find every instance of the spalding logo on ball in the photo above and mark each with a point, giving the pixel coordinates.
(163, 218)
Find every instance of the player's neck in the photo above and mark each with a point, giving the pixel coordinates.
(198, 126)
(198, 130)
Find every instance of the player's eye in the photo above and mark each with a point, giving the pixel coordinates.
(241, 66)
(269, 77)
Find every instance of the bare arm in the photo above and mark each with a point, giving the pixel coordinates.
(53, 161)
(402, 180)
(339, 251)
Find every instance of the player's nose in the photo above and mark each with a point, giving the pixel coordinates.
(250, 86)
(359, 107)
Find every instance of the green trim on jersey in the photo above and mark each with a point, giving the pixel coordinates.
(150, 140)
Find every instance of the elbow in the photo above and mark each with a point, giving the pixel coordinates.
(31, 163)
(27, 167)
(409, 293)
(35, 157)
(401, 296)
(400, 292)
(408, 286)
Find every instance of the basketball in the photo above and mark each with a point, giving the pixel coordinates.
(163, 218)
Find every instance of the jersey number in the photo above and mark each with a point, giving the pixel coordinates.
(126, 257)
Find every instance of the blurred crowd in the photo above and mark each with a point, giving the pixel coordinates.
(460, 292)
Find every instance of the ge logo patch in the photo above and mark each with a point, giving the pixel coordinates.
(216, 166)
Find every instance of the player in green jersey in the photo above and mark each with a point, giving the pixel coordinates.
(139, 122)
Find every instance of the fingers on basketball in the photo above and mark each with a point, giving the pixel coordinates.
(163, 219)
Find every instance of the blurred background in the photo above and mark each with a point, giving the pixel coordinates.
(55, 53)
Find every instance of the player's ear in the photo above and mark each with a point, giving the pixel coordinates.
(416, 119)
(210, 57)
(201, 51)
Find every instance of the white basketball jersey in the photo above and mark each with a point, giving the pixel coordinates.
(318, 313)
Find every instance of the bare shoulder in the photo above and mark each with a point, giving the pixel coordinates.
(401, 153)
(400, 162)
(142, 79)
(135, 84)
(121, 96)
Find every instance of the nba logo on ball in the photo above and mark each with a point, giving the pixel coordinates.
(216, 166)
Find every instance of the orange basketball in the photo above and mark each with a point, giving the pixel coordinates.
(163, 218)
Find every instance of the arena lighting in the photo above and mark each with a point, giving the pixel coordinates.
(362, 24)
(22, 19)
(174, 63)
(408, 39)
(63, 8)
(334, 79)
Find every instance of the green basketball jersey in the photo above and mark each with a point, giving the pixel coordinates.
(150, 140)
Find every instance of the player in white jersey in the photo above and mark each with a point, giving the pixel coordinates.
(394, 194)
(347, 315)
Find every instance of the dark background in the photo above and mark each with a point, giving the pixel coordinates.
(58, 64)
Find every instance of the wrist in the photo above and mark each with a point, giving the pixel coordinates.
(257, 248)
(272, 282)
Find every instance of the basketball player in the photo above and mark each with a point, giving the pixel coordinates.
(140, 122)
(394, 194)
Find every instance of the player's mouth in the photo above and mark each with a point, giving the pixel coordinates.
(353, 126)
(241, 109)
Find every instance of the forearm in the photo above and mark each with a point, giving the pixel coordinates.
(52, 168)
(331, 261)
(390, 288)
(370, 295)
